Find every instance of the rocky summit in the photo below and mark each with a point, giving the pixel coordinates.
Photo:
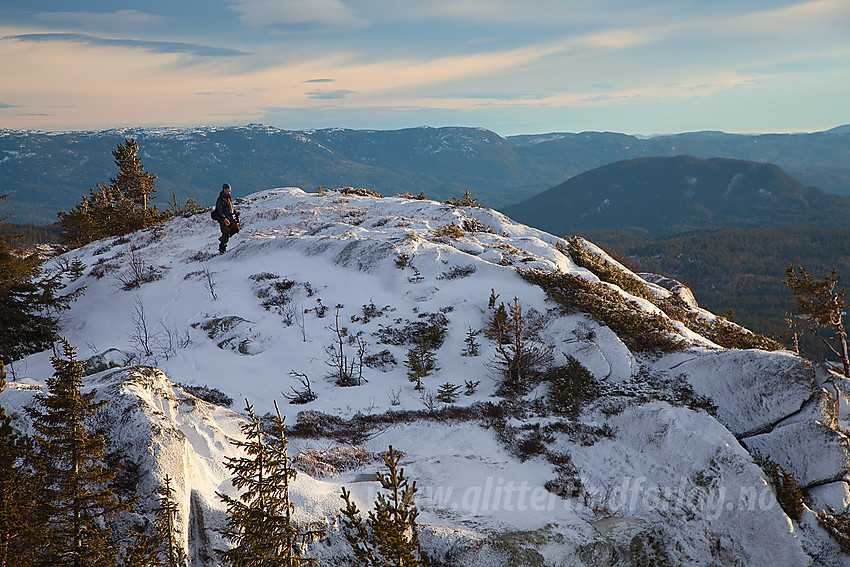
(553, 407)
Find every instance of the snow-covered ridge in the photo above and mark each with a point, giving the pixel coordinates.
(651, 472)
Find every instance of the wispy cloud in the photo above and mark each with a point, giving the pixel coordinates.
(319, 81)
(802, 17)
(153, 46)
(321, 94)
(299, 14)
(106, 20)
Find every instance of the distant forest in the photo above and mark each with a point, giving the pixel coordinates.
(26, 235)
(738, 271)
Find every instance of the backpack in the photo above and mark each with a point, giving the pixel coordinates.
(214, 215)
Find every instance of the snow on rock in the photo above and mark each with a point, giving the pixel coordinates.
(692, 484)
(813, 452)
(753, 390)
(313, 279)
(829, 496)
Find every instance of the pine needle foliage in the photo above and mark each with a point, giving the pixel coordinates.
(519, 354)
(421, 361)
(259, 520)
(30, 301)
(166, 526)
(639, 330)
(465, 201)
(21, 526)
(388, 536)
(116, 209)
(820, 304)
(75, 478)
(132, 180)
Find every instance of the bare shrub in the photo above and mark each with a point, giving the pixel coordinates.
(209, 282)
(303, 394)
(138, 272)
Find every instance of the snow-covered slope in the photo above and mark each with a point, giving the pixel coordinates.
(643, 472)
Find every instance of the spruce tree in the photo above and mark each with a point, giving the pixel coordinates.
(147, 550)
(518, 353)
(76, 494)
(421, 361)
(259, 520)
(30, 300)
(116, 209)
(388, 536)
(167, 539)
(21, 526)
(133, 181)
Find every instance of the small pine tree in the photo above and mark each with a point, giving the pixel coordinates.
(518, 354)
(448, 393)
(75, 477)
(116, 209)
(259, 521)
(389, 535)
(499, 324)
(471, 348)
(466, 201)
(166, 526)
(421, 361)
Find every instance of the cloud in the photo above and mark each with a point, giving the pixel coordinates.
(320, 81)
(798, 17)
(299, 14)
(322, 94)
(108, 20)
(153, 46)
(4, 105)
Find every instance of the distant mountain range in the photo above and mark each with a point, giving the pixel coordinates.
(668, 195)
(49, 172)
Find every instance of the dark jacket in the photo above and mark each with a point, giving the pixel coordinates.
(224, 206)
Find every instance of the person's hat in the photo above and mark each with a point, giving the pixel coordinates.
(225, 186)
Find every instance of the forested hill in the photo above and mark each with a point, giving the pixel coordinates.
(49, 172)
(668, 195)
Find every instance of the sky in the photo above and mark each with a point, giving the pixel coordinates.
(514, 67)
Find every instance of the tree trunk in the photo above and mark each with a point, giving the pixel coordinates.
(845, 358)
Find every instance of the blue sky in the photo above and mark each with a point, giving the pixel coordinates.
(635, 66)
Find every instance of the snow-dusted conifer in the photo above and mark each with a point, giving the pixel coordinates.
(388, 536)
(259, 520)
(73, 472)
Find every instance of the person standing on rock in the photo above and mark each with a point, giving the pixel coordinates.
(228, 218)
